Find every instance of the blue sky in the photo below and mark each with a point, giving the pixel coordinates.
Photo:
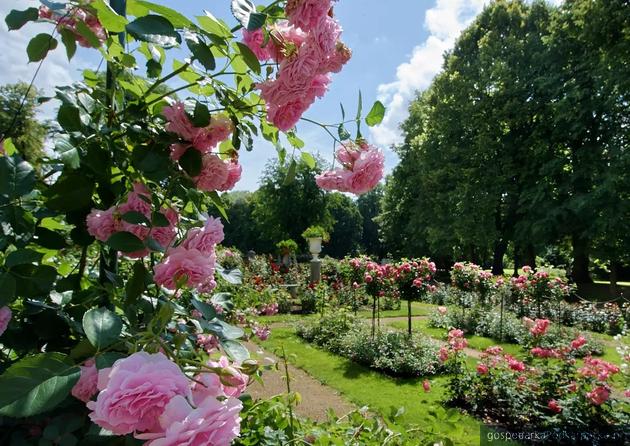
(397, 49)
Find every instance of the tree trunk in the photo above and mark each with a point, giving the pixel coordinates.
(529, 256)
(581, 260)
(497, 260)
(614, 275)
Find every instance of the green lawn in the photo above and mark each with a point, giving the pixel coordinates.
(380, 393)
(417, 309)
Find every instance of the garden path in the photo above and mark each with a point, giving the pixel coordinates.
(317, 398)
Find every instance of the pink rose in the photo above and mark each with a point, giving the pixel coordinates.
(367, 172)
(179, 122)
(214, 174)
(165, 235)
(213, 422)
(5, 318)
(206, 238)
(190, 265)
(208, 138)
(340, 57)
(135, 391)
(232, 382)
(285, 40)
(86, 386)
(540, 327)
(598, 396)
(178, 150)
(554, 406)
(287, 115)
(333, 180)
(262, 332)
(102, 224)
(578, 342)
(482, 369)
(426, 385)
(234, 175)
(255, 40)
(307, 14)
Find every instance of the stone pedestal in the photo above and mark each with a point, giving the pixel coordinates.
(316, 270)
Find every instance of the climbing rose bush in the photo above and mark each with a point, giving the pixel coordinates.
(109, 259)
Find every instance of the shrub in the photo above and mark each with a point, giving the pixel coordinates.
(315, 232)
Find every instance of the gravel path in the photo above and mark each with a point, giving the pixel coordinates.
(317, 398)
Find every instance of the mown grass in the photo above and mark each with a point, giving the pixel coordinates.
(382, 394)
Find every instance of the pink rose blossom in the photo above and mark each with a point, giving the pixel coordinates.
(255, 40)
(135, 391)
(285, 40)
(102, 224)
(206, 238)
(179, 122)
(482, 369)
(231, 382)
(426, 385)
(540, 327)
(213, 422)
(578, 342)
(442, 310)
(626, 393)
(208, 138)
(262, 332)
(443, 354)
(554, 406)
(598, 396)
(286, 116)
(86, 387)
(191, 266)
(214, 174)
(5, 318)
(307, 14)
(165, 235)
(234, 175)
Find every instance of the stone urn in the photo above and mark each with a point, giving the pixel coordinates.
(315, 246)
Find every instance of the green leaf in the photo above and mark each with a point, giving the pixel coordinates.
(212, 25)
(86, 32)
(67, 152)
(17, 178)
(71, 192)
(17, 19)
(232, 276)
(178, 20)
(249, 57)
(245, 12)
(208, 311)
(154, 245)
(309, 160)
(135, 218)
(154, 29)
(136, 284)
(23, 257)
(343, 133)
(8, 287)
(294, 140)
(39, 46)
(159, 220)
(36, 384)
(201, 115)
(102, 327)
(376, 114)
(69, 118)
(191, 162)
(290, 173)
(224, 300)
(49, 239)
(154, 69)
(110, 20)
(69, 40)
(235, 350)
(107, 359)
(125, 242)
(223, 330)
(202, 53)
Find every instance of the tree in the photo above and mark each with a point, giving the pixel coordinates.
(240, 227)
(283, 207)
(18, 121)
(347, 230)
(370, 207)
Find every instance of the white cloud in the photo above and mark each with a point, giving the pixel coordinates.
(56, 70)
(444, 21)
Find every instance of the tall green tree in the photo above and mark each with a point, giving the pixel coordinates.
(347, 227)
(18, 121)
(370, 206)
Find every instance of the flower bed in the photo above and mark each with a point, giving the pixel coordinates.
(390, 352)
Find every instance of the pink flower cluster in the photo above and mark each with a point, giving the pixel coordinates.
(69, 19)
(5, 318)
(192, 263)
(208, 342)
(540, 327)
(456, 339)
(599, 395)
(362, 169)
(415, 274)
(307, 49)
(597, 368)
(262, 332)
(103, 224)
(269, 309)
(216, 174)
(148, 395)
